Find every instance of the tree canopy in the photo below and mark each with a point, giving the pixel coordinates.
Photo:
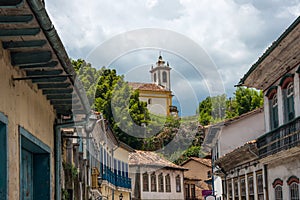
(217, 108)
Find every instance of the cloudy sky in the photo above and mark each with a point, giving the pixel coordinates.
(210, 45)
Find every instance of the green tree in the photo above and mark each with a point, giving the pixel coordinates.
(245, 100)
(216, 109)
(88, 77)
(108, 93)
(212, 109)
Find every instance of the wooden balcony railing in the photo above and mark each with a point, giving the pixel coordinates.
(282, 138)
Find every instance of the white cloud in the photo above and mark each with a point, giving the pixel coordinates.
(234, 33)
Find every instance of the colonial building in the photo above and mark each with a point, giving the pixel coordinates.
(276, 72)
(244, 177)
(154, 177)
(225, 137)
(157, 94)
(37, 96)
(108, 163)
(196, 178)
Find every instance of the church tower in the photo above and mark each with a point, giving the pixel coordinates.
(160, 74)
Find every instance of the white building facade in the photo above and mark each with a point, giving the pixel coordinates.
(154, 177)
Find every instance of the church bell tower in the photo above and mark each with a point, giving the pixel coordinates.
(160, 74)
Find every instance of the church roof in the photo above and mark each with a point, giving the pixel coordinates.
(146, 86)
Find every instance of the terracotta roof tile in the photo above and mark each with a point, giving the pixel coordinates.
(146, 86)
(149, 158)
(203, 161)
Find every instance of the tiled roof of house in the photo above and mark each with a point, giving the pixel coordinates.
(203, 161)
(146, 86)
(248, 150)
(149, 158)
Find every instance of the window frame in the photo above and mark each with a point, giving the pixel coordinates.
(193, 191)
(145, 178)
(236, 188)
(153, 182)
(276, 192)
(168, 183)
(289, 103)
(187, 191)
(178, 183)
(229, 188)
(250, 186)
(161, 182)
(274, 112)
(294, 186)
(243, 193)
(259, 187)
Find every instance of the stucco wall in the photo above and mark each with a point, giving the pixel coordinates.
(196, 170)
(239, 132)
(25, 106)
(283, 168)
(121, 154)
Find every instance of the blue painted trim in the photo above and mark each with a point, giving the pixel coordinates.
(34, 140)
(23, 132)
(4, 119)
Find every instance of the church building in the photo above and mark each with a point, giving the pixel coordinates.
(157, 94)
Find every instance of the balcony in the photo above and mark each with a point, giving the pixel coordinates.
(115, 179)
(284, 137)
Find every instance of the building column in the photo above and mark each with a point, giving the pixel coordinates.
(255, 185)
(246, 185)
(297, 95)
(280, 106)
(267, 114)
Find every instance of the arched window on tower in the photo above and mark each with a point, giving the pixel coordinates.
(164, 77)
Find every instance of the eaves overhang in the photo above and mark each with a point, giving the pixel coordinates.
(276, 59)
(35, 49)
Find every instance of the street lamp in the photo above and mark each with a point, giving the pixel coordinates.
(121, 196)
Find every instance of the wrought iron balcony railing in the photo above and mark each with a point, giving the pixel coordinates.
(282, 138)
(114, 178)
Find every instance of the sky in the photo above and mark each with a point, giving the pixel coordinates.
(210, 45)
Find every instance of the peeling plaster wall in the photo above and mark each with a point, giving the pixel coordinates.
(25, 106)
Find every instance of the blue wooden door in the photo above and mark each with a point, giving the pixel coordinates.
(27, 175)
